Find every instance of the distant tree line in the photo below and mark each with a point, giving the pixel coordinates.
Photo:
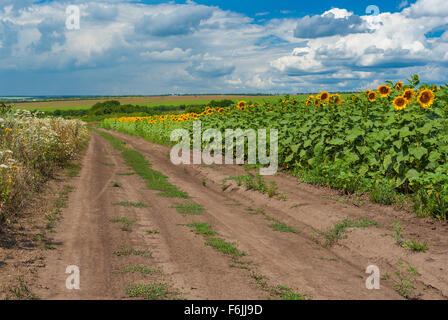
(114, 108)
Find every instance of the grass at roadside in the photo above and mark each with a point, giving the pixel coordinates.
(189, 209)
(131, 204)
(280, 227)
(21, 291)
(280, 291)
(225, 247)
(140, 269)
(128, 252)
(154, 179)
(126, 223)
(340, 228)
(152, 291)
(202, 228)
(216, 243)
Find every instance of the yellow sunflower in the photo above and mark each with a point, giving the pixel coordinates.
(372, 96)
(309, 100)
(399, 86)
(241, 104)
(324, 96)
(409, 95)
(426, 98)
(384, 91)
(336, 98)
(317, 102)
(400, 103)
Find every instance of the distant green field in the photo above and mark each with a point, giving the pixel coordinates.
(254, 99)
(143, 101)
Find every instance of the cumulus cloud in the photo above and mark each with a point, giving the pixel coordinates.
(210, 68)
(128, 47)
(427, 8)
(174, 55)
(178, 20)
(333, 22)
(394, 46)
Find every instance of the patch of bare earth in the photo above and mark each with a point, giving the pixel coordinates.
(90, 239)
(27, 239)
(303, 260)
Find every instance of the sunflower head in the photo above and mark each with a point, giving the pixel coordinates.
(400, 103)
(335, 99)
(384, 91)
(309, 100)
(317, 102)
(409, 95)
(241, 104)
(324, 96)
(355, 97)
(371, 96)
(426, 98)
(399, 86)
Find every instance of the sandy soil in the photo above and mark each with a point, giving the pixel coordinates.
(86, 237)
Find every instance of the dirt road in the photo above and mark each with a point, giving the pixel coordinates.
(301, 258)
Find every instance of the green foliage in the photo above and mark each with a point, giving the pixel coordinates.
(189, 208)
(31, 150)
(253, 182)
(225, 247)
(130, 251)
(281, 227)
(357, 145)
(131, 204)
(412, 245)
(152, 291)
(202, 228)
(404, 279)
(340, 228)
(114, 109)
(154, 179)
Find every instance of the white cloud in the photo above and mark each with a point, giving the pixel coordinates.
(332, 22)
(427, 8)
(128, 47)
(403, 4)
(395, 46)
(174, 55)
(169, 20)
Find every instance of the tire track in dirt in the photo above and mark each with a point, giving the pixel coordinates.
(296, 260)
(87, 238)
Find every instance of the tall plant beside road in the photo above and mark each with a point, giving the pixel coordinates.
(31, 149)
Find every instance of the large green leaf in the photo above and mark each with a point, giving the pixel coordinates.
(418, 152)
(412, 173)
(354, 134)
(337, 141)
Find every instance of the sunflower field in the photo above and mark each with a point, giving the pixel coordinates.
(390, 142)
(31, 149)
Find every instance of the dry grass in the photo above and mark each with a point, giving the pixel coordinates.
(31, 149)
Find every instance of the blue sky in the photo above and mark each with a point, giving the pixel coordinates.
(296, 8)
(157, 47)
